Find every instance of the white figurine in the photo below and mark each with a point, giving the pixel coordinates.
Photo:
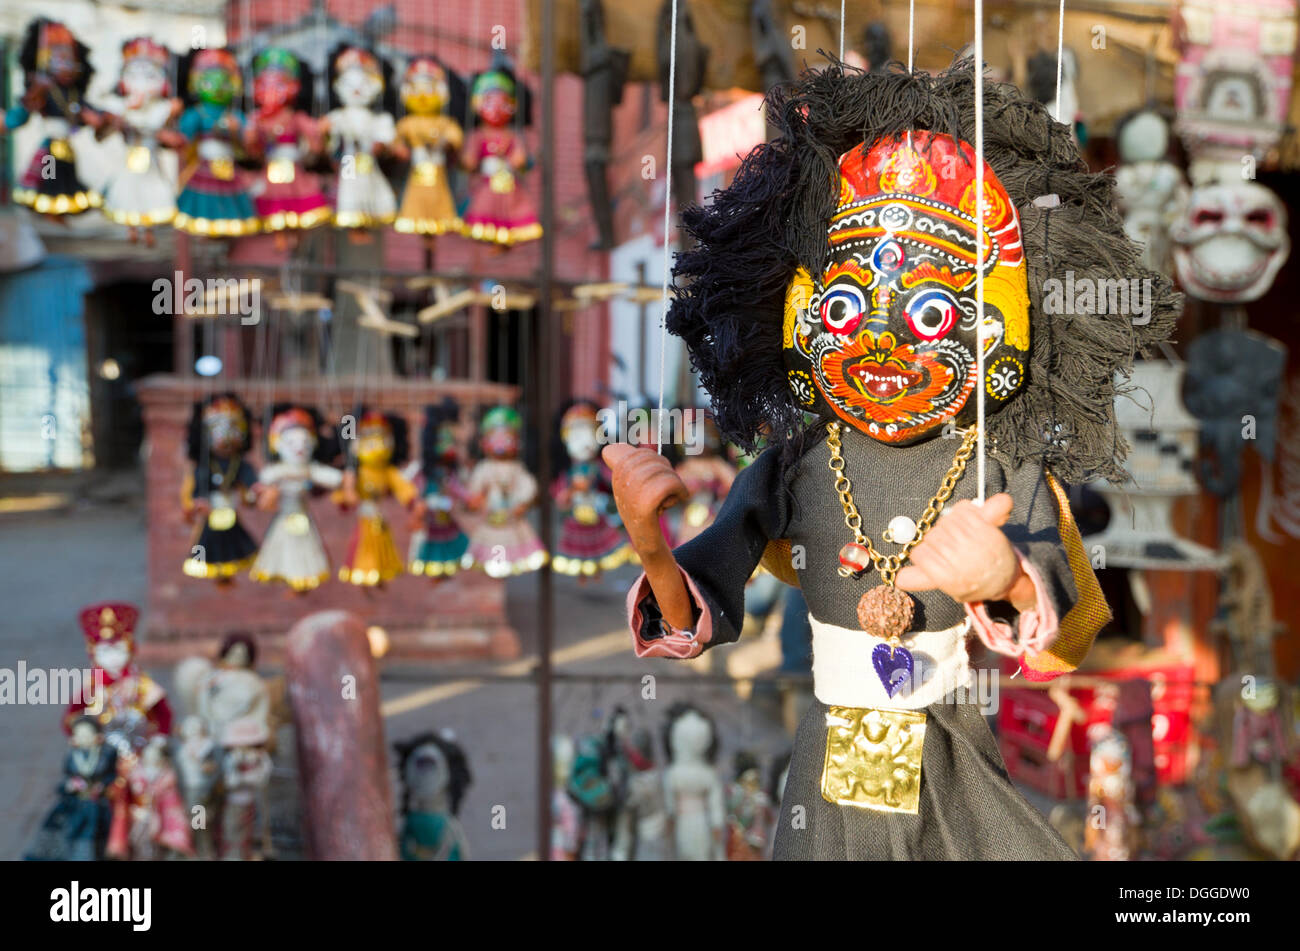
(358, 133)
(692, 788)
(246, 773)
(228, 690)
(197, 766)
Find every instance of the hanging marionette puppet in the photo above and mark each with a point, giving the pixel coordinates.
(502, 491)
(360, 129)
(219, 440)
(141, 194)
(857, 303)
(426, 135)
(76, 829)
(214, 200)
(282, 132)
(706, 474)
(591, 536)
(57, 73)
(373, 474)
(500, 210)
(439, 546)
(292, 552)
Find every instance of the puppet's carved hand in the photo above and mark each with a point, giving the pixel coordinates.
(968, 558)
(644, 486)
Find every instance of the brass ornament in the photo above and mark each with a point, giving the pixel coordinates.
(873, 759)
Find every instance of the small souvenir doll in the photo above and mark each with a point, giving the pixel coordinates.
(292, 552)
(591, 537)
(641, 824)
(133, 707)
(439, 546)
(76, 829)
(359, 130)
(707, 476)
(225, 691)
(749, 812)
(502, 491)
(246, 773)
(693, 790)
(57, 73)
(590, 787)
(1110, 835)
(214, 201)
(566, 817)
(141, 194)
(282, 133)
(435, 774)
(837, 277)
(219, 439)
(374, 473)
(500, 210)
(426, 135)
(159, 825)
(198, 767)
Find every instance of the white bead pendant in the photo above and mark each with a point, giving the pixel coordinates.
(900, 531)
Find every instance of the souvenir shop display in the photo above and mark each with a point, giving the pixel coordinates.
(591, 535)
(750, 817)
(426, 137)
(439, 546)
(501, 491)
(566, 817)
(292, 552)
(1149, 188)
(141, 194)
(246, 772)
(707, 476)
(694, 794)
(359, 129)
(157, 825)
(198, 769)
(500, 211)
(76, 829)
(219, 440)
(56, 71)
(374, 474)
(435, 774)
(282, 134)
(641, 823)
(604, 74)
(1230, 241)
(844, 303)
(134, 706)
(228, 689)
(214, 200)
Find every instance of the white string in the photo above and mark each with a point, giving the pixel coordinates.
(1060, 59)
(668, 201)
(979, 245)
(911, 32)
(841, 30)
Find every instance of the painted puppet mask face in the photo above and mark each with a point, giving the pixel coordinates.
(496, 107)
(143, 81)
(886, 338)
(501, 442)
(296, 445)
(84, 736)
(1231, 242)
(227, 428)
(375, 444)
(424, 93)
(273, 89)
(581, 440)
(216, 87)
(357, 86)
(112, 656)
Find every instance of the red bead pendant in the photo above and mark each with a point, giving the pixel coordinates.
(855, 557)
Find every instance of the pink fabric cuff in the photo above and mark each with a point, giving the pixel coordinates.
(1038, 625)
(677, 644)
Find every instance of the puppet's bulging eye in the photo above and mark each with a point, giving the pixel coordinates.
(842, 309)
(932, 314)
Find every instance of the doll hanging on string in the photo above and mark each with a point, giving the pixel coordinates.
(282, 133)
(432, 95)
(214, 201)
(501, 491)
(706, 473)
(141, 194)
(376, 456)
(360, 129)
(591, 536)
(57, 71)
(836, 277)
(292, 552)
(500, 210)
(219, 441)
(439, 546)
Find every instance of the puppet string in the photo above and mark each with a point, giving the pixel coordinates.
(842, 29)
(911, 32)
(979, 245)
(1060, 59)
(668, 202)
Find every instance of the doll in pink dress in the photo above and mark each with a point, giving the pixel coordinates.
(159, 826)
(500, 211)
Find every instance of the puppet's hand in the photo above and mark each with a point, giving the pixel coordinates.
(644, 486)
(967, 557)
(268, 498)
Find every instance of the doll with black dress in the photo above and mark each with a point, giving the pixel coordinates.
(837, 277)
(219, 440)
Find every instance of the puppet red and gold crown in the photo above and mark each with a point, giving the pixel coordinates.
(424, 68)
(920, 189)
(215, 59)
(356, 58)
(579, 413)
(295, 418)
(143, 48)
(54, 33)
(227, 407)
(108, 622)
(374, 423)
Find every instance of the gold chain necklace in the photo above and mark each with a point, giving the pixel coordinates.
(884, 611)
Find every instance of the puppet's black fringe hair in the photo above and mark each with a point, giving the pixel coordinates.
(748, 241)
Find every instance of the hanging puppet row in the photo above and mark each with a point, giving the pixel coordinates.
(242, 174)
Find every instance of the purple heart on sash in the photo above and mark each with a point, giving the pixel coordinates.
(894, 666)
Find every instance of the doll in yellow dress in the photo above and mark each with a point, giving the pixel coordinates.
(425, 136)
(379, 450)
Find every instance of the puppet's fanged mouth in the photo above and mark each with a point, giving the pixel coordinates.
(881, 383)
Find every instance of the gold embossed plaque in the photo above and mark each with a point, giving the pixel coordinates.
(873, 758)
